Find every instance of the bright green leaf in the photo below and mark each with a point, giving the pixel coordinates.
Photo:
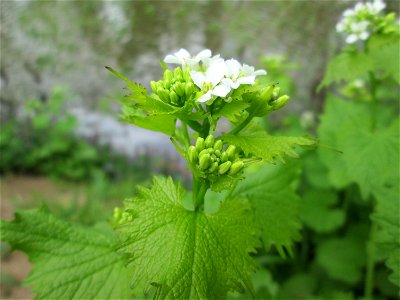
(271, 191)
(70, 262)
(187, 254)
(268, 147)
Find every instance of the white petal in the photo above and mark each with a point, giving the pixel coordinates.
(205, 97)
(260, 72)
(171, 59)
(359, 6)
(247, 80)
(206, 53)
(340, 27)
(348, 12)
(198, 78)
(182, 54)
(234, 67)
(221, 90)
(216, 72)
(247, 70)
(351, 39)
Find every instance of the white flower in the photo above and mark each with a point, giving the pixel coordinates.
(376, 7)
(238, 74)
(210, 82)
(359, 32)
(183, 57)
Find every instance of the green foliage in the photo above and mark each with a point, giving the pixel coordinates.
(346, 126)
(317, 213)
(258, 143)
(70, 261)
(270, 190)
(204, 255)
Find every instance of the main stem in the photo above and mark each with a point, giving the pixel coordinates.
(200, 187)
(374, 100)
(242, 125)
(369, 277)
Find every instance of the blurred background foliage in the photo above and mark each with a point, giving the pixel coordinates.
(59, 122)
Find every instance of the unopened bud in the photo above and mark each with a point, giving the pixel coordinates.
(178, 74)
(218, 145)
(204, 161)
(224, 157)
(204, 151)
(231, 152)
(186, 75)
(266, 93)
(236, 167)
(189, 88)
(214, 167)
(275, 92)
(209, 142)
(199, 144)
(217, 152)
(168, 75)
(174, 97)
(163, 94)
(223, 168)
(280, 102)
(179, 89)
(192, 154)
(154, 86)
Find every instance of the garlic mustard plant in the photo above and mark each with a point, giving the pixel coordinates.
(165, 237)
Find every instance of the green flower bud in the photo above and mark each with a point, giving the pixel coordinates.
(210, 150)
(168, 75)
(204, 161)
(213, 168)
(217, 152)
(163, 94)
(189, 89)
(117, 214)
(192, 154)
(186, 75)
(179, 88)
(213, 157)
(223, 168)
(236, 167)
(199, 144)
(218, 145)
(231, 152)
(204, 151)
(209, 142)
(275, 92)
(266, 93)
(224, 157)
(178, 74)
(281, 102)
(174, 97)
(154, 86)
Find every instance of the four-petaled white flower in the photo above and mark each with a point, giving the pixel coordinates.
(183, 57)
(359, 32)
(210, 82)
(214, 76)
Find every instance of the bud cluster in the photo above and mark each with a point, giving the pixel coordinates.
(269, 100)
(214, 158)
(175, 88)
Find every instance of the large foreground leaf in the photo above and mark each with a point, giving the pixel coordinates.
(271, 191)
(70, 262)
(187, 254)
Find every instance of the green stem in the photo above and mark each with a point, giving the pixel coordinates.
(369, 278)
(200, 187)
(185, 134)
(374, 102)
(196, 126)
(242, 125)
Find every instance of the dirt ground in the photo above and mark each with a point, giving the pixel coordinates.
(22, 192)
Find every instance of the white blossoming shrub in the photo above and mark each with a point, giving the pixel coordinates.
(361, 21)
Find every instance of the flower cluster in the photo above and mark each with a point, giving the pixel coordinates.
(360, 21)
(214, 158)
(214, 76)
